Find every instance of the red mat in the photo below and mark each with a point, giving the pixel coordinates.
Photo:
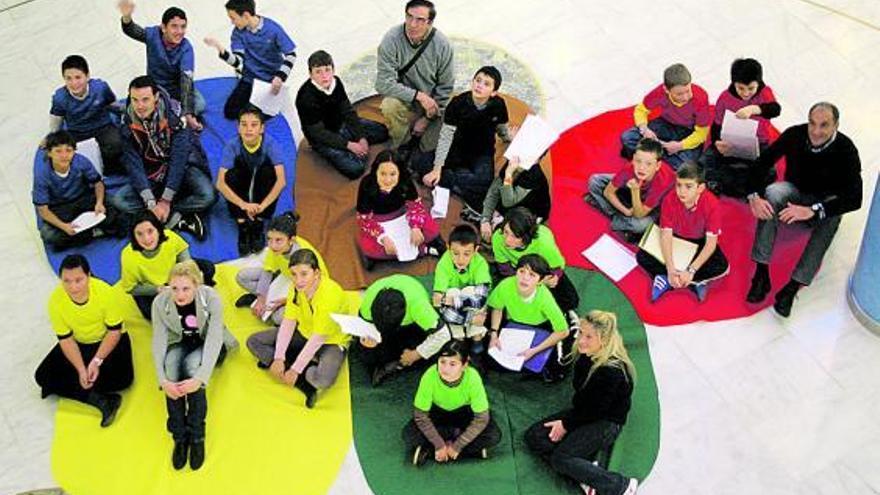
(592, 147)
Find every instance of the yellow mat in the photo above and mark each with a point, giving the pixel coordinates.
(260, 437)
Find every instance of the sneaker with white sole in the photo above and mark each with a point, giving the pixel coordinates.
(632, 487)
(420, 456)
(660, 287)
(192, 223)
(587, 489)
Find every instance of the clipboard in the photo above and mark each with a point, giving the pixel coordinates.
(683, 251)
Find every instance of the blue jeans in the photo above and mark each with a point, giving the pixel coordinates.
(665, 132)
(186, 415)
(470, 181)
(779, 194)
(196, 194)
(573, 455)
(343, 160)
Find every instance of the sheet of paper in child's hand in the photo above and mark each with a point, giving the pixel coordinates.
(90, 149)
(262, 97)
(87, 220)
(741, 135)
(400, 233)
(531, 141)
(357, 326)
(441, 202)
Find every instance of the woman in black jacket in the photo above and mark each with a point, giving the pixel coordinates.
(603, 384)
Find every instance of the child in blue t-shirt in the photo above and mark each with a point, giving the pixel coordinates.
(251, 177)
(64, 188)
(82, 108)
(170, 57)
(260, 49)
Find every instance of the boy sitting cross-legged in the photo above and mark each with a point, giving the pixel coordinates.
(67, 186)
(684, 118)
(330, 123)
(461, 286)
(694, 214)
(632, 196)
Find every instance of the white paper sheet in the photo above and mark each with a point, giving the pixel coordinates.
(741, 135)
(611, 257)
(682, 251)
(357, 326)
(262, 97)
(87, 220)
(90, 149)
(441, 202)
(531, 141)
(277, 290)
(513, 341)
(399, 232)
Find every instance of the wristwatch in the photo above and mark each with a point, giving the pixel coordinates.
(691, 270)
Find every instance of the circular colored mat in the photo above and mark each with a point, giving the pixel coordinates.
(516, 401)
(593, 147)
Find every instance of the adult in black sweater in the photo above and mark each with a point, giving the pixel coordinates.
(330, 123)
(603, 385)
(822, 182)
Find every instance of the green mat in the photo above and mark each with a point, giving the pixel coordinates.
(516, 402)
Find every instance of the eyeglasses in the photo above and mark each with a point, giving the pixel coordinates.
(417, 20)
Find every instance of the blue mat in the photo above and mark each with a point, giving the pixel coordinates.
(220, 245)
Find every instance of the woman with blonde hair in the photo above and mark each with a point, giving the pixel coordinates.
(189, 339)
(603, 385)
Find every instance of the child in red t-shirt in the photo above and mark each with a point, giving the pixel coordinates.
(749, 98)
(693, 214)
(632, 196)
(684, 118)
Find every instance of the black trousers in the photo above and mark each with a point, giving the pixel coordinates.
(451, 424)
(238, 99)
(392, 346)
(55, 375)
(252, 186)
(573, 455)
(114, 225)
(714, 267)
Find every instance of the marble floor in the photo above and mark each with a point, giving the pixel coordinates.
(757, 405)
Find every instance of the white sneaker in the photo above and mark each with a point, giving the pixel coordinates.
(632, 488)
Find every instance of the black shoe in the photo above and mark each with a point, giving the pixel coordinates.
(369, 263)
(552, 374)
(420, 456)
(179, 455)
(381, 373)
(632, 237)
(108, 404)
(307, 389)
(245, 300)
(196, 454)
(760, 287)
(263, 366)
(244, 239)
(785, 298)
(192, 223)
(256, 236)
(437, 247)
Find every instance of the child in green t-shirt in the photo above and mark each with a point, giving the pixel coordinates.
(524, 299)
(411, 330)
(461, 286)
(451, 413)
(520, 234)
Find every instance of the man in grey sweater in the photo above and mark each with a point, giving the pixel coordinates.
(414, 99)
